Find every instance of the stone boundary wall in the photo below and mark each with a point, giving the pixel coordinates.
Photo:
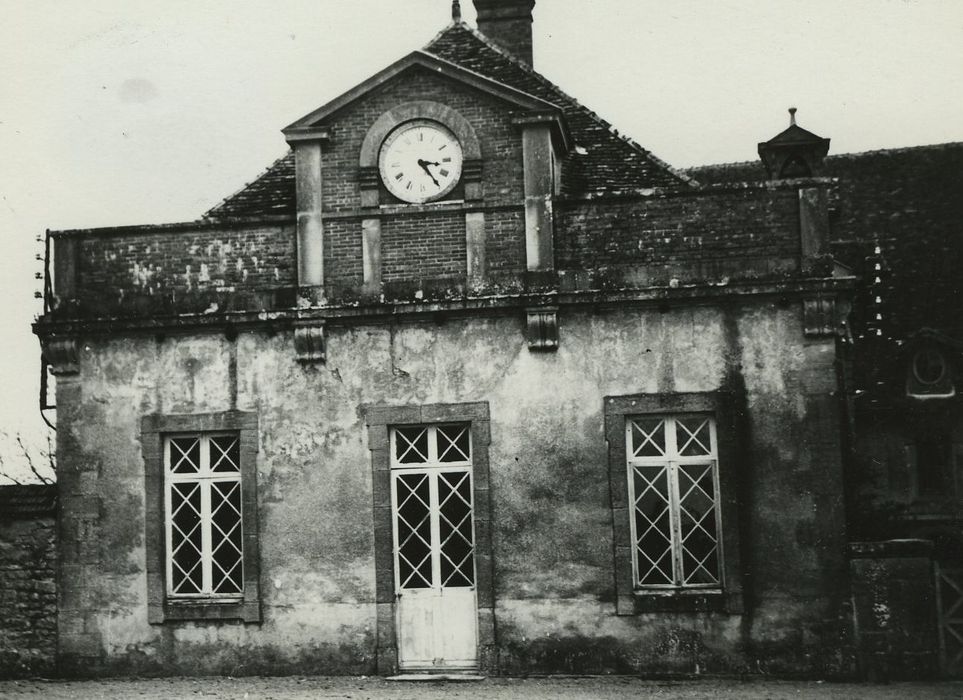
(28, 589)
(894, 609)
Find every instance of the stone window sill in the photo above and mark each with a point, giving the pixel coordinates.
(212, 609)
(645, 601)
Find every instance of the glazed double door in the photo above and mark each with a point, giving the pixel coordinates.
(436, 608)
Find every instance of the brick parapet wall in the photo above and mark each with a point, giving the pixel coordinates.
(747, 233)
(619, 242)
(157, 270)
(28, 595)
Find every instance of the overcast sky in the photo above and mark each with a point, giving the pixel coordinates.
(131, 111)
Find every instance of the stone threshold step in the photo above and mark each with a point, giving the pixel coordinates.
(436, 677)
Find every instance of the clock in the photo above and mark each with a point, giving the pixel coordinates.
(420, 161)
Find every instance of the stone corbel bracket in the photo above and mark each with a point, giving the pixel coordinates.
(309, 342)
(542, 328)
(822, 317)
(62, 355)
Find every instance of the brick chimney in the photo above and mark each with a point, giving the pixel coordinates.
(508, 23)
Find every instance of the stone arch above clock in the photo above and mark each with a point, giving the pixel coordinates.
(409, 111)
(420, 109)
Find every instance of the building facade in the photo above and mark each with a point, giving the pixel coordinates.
(465, 382)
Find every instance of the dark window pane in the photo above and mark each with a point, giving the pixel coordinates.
(693, 437)
(225, 454)
(414, 531)
(455, 530)
(648, 437)
(185, 455)
(453, 443)
(411, 445)
(187, 574)
(653, 526)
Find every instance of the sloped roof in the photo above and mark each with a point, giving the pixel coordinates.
(435, 64)
(27, 500)
(271, 194)
(906, 204)
(611, 164)
(603, 162)
(795, 134)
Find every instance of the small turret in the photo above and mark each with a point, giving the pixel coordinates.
(794, 153)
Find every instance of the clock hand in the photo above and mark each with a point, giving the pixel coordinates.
(424, 166)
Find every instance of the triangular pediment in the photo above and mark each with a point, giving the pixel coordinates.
(311, 125)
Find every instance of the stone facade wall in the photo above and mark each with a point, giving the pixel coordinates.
(28, 595)
(552, 527)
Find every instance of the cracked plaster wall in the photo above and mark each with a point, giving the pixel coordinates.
(554, 583)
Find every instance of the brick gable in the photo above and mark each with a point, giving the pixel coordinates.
(604, 162)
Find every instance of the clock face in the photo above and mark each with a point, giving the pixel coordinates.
(420, 161)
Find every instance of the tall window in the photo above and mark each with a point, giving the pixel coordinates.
(431, 468)
(675, 512)
(204, 519)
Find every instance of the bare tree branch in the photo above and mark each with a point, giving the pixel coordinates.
(51, 451)
(26, 454)
(8, 476)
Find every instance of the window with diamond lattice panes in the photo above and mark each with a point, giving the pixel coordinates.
(675, 511)
(433, 505)
(205, 550)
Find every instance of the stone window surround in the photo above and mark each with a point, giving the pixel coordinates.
(154, 427)
(629, 599)
(379, 419)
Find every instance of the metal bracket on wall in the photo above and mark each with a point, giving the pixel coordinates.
(542, 329)
(309, 341)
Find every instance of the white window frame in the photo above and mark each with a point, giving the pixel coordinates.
(671, 460)
(432, 462)
(205, 477)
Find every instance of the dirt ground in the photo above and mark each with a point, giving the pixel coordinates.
(608, 688)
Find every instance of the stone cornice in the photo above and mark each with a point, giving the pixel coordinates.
(495, 305)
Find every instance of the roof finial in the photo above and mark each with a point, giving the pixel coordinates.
(792, 116)
(456, 11)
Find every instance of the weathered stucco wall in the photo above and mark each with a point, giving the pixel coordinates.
(28, 600)
(553, 533)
